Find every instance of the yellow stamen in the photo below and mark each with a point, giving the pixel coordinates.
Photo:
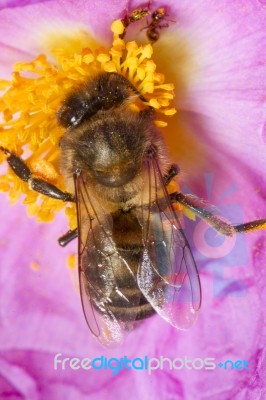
(117, 27)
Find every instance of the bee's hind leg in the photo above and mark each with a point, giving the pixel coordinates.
(68, 237)
(203, 210)
(38, 185)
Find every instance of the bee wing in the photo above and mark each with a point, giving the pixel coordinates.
(98, 259)
(167, 274)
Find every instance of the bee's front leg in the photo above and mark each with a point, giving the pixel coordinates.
(38, 185)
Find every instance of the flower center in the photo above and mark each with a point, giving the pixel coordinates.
(31, 99)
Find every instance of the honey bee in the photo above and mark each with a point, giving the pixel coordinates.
(134, 259)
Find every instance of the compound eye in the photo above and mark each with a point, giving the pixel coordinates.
(72, 112)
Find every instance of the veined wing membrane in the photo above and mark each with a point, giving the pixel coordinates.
(99, 267)
(167, 274)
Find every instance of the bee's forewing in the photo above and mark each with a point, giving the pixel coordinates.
(102, 298)
(167, 274)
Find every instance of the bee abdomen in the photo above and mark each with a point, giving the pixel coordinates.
(125, 301)
(114, 276)
(136, 313)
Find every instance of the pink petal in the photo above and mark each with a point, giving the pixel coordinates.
(25, 29)
(18, 3)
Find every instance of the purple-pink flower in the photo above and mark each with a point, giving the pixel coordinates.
(214, 53)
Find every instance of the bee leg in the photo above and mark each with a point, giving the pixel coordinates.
(68, 237)
(198, 206)
(39, 185)
(171, 173)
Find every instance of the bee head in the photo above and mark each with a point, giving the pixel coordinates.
(104, 92)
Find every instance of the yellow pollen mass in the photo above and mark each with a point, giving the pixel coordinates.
(33, 95)
(71, 261)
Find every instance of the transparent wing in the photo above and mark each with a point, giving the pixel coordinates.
(167, 274)
(100, 266)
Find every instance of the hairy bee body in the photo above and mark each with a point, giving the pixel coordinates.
(108, 143)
